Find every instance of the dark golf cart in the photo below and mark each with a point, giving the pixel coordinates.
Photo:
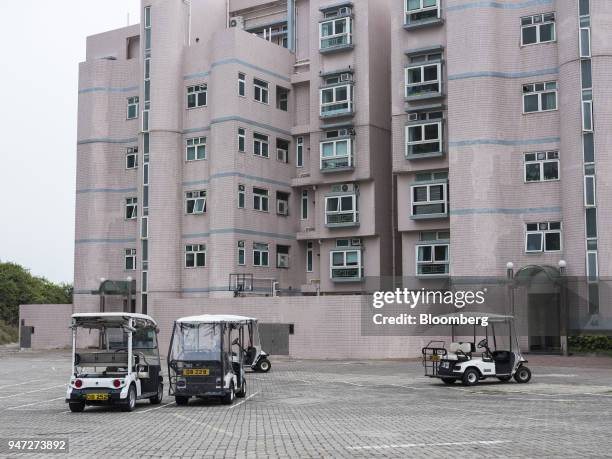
(254, 356)
(206, 358)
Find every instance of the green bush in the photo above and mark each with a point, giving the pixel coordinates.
(590, 343)
(8, 334)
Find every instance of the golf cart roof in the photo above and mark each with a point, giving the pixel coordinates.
(215, 319)
(475, 314)
(104, 319)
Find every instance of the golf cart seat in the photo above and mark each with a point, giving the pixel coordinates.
(501, 356)
(463, 351)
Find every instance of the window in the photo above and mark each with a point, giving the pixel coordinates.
(592, 270)
(299, 152)
(260, 199)
(586, 77)
(241, 196)
(584, 7)
(585, 36)
(196, 96)
(337, 100)
(304, 205)
(147, 26)
(587, 110)
(336, 32)
(424, 138)
(421, 11)
(196, 148)
(589, 191)
(282, 256)
(543, 237)
(345, 264)
(131, 208)
(539, 97)
(282, 203)
(275, 34)
(539, 28)
(336, 154)
(260, 254)
(195, 256)
(541, 166)
(309, 256)
(261, 92)
(432, 259)
(282, 98)
(282, 150)
(195, 202)
(424, 80)
(588, 147)
(131, 158)
(242, 84)
(341, 210)
(132, 108)
(430, 199)
(261, 145)
(241, 140)
(130, 259)
(241, 254)
(591, 222)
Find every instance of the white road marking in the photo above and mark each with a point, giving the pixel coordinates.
(238, 404)
(21, 383)
(544, 399)
(411, 387)
(352, 383)
(35, 403)
(32, 391)
(554, 375)
(156, 408)
(203, 424)
(426, 445)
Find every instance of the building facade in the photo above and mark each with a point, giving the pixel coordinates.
(239, 145)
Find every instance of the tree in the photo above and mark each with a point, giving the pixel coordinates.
(19, 286)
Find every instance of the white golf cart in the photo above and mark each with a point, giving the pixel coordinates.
(459, 363)
(115, 361)
(254, 356)
(206, 358)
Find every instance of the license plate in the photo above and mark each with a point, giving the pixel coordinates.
(435, 358)
(195, 372)
(96, 397)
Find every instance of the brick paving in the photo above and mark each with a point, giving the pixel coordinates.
(328, 409)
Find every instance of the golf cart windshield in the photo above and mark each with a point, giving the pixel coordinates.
(196, 341)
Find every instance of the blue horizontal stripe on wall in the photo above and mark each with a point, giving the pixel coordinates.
(105, 241)
(204, 74)
(108, 90)
(463, 76)
(239, 231)
(506, 211)
(107, 140)
(106, 190)
(463, 143)
(499, 5)
(236, 174)
(197, 129)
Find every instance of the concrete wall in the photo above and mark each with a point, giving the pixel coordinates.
(50, 322)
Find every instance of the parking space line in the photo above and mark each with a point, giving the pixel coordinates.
(240, 403)
(156, 408)
(32, 391)
(428, 445)
(203, 424)
(21, 383)
(35, 403)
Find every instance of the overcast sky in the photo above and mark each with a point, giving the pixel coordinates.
(42, 43)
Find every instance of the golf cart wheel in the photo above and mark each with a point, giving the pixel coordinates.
(130, 401)
(228, 398)
(157, 399)
(264, 365)
(243, 389)
(522, 375)
(180, 400)
(76, 407)
(504, 378)
(448, 381)
(470, 377)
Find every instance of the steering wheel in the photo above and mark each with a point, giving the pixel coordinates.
(483, 344)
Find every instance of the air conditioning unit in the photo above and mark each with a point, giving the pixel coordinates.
(344, 10)
(282, 155)
(343, 132)
(344, 188)
(237, 21)
(283, 260)
(282, 208)
(346, 77)
(356, 242)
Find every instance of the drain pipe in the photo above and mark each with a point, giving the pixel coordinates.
(188, 3)
(291, 24)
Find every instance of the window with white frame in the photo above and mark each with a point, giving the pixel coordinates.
(282, 256)
(261, 145)
(241, 140)
(132, 107)
(345, 262)
(309, 257)
(131, 158)
(592, 269)
(341, 210)
(130, 259)
(282, 150)
(543, 237)
(337, 153)
(429, 199)
(241, 196)
(261, 199)
(241, 84)
(196, 95)
(585, 36)
(195, 202)
(424, 138)
(589, 186)
(282, 98)
(282, 203)
(304, 205)
(541, 166)
(336, 100)
(432, 259)
(424, 76)
(195, 256)
(539, 97)
(418, 11)
(539, 28)
(299, 152)
(131, 208)
(587, 110)
(261, 91)
(196, 149)
(261, 254)
(241, 253)
(335, 32)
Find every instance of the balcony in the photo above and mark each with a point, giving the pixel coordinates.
(335, 35)
(345, 266)
(422, 13)
(336, 101)
(341, 211)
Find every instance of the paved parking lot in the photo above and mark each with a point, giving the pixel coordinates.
(328, 409)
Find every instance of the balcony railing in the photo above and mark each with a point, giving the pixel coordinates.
(344, 274)
(342, 218)
(338, 162)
